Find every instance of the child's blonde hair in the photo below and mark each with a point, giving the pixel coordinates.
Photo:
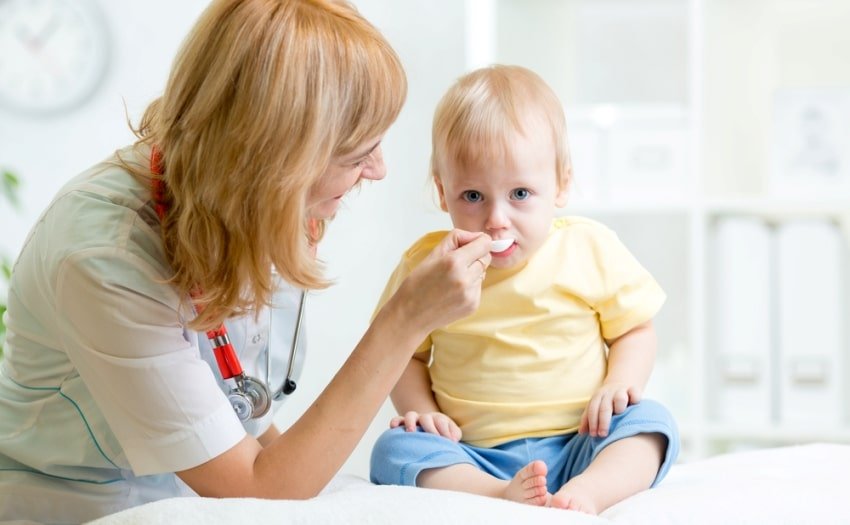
(476, 117)
(261, 96)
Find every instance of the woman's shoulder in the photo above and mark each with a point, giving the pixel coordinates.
(101, 215)
(110, 180)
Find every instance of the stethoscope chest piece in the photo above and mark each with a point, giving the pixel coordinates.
(250, 399)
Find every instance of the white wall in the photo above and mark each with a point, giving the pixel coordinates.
(376, 224)
(48, 150)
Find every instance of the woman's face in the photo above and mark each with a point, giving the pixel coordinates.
(343, 173)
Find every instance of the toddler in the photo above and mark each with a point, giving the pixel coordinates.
(536, 397)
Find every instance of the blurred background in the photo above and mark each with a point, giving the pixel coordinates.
(712, 135)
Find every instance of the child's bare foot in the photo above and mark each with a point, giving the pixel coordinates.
(575, 495)
(529, 485)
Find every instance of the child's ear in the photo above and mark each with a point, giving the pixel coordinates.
(563, 194)
(561, 198)
(441, 192)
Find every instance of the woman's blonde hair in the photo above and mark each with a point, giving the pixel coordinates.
(476, 118)
(261, 96)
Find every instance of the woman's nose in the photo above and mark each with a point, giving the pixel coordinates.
(375, 169)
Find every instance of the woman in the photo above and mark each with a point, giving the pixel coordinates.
(109, 394)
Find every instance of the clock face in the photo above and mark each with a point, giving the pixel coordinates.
(53, 54)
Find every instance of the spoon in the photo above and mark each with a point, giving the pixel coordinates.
(500, 245)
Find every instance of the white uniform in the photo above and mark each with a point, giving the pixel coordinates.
(104, 392)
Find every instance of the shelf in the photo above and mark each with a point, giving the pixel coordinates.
(642, 207)
(780, 209)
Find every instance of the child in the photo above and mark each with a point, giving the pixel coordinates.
(535, 397)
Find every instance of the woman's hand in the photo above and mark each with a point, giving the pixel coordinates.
(431, 422)
(610, 399)
(446, 286)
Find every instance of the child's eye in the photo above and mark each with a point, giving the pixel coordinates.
(472, 196)
(520, 194)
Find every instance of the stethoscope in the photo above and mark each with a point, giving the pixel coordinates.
(250, 397)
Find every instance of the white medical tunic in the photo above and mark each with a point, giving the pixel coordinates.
(104, 391)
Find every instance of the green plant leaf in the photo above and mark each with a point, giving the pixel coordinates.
(5, 267)
(2, 328)
(9, 186)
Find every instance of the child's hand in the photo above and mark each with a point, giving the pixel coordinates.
(610, 399)
(431, 422)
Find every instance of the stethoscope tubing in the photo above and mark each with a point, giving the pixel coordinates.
(293, 349)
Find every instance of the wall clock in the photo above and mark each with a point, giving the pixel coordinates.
(53, 54)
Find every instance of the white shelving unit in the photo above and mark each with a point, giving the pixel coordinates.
(671, 107)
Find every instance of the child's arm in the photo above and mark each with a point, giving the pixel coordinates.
(412, 398)
(630, 360)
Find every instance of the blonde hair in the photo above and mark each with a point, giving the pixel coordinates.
(262, 95)
(475, 119)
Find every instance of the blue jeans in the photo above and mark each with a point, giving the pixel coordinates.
(398, 456)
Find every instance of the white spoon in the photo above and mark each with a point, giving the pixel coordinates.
(500, 245)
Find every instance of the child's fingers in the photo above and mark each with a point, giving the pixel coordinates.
(604, 424)
(621, 401)
(592, 411)
(606, 408)
(443, 427)
(456, 433)
(428, 424)
(635, 395)
(410, 420)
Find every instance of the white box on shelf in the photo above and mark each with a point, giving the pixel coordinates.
(741, 349)
(811, 143)
(811, 314)
(648, 159)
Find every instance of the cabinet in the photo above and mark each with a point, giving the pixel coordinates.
(713, 136)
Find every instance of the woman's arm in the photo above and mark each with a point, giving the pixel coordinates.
(301, 461)
(268, 436)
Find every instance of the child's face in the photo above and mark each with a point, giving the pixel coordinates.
(515, 199)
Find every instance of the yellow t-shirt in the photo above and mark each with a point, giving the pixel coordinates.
(527, 361)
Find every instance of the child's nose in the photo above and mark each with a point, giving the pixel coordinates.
(497, 218)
